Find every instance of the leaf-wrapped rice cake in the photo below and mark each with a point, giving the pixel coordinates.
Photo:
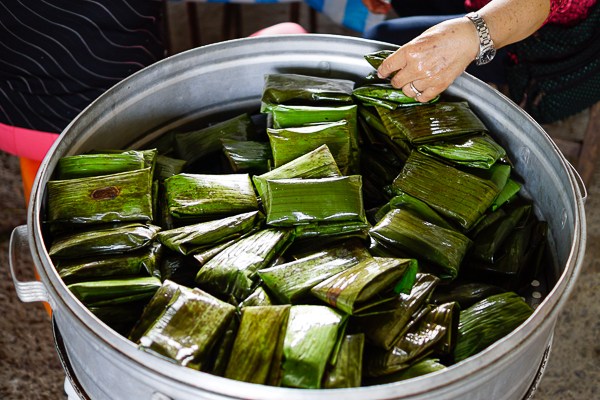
(121, 197)
(347, 370)
(257, 349)
(188, 328)
(206, 197)
(311, 336)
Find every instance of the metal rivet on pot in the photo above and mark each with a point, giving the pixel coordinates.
(325, 67)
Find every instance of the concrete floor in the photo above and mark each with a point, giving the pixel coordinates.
(29, 365)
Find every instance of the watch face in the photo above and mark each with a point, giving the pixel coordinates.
(486, 56)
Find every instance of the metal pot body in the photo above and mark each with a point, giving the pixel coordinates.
(227, 78)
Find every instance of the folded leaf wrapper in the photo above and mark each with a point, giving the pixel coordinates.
(101, 241)
(191, 239)
(231, 273)
(347, 370)
(121, 197)
(455, 194)
(207, 197)
(479, 151)
(115, 291)
(311, 336)
(304, 90)
(258, 342)
(87, 165)
(246, 155)
(303, 201)
(188, 328)
(291, 281)
(353, 289)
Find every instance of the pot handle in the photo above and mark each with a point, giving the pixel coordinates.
(26, 291)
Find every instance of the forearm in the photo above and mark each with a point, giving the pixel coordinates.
(510, 21)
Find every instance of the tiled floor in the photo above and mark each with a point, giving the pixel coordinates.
(29, 366)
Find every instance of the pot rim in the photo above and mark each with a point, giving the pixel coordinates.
(63, 301)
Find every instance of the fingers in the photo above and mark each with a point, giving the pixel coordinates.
(431, 61)
(378, 6)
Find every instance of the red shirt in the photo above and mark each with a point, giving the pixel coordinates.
(562, 12)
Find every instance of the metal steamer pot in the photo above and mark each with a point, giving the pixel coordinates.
(227, 78)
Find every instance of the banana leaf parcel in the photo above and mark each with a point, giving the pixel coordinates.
(477, 151)
(119, 239)
(455, 194)
(487, 321)
(290, 282)
(385, 95)
(188, 328)
(247, 155)
(232, 272)
(402, 229)
(191, 239)
(193, 145)
(363, 285)
(258, 343)
(292, 202)
(87, 165)
(311, 336)
(318, 163)
(304, 90)
(115, 291)
(206, 197)
(121, 197)
(434, 122)
(347, 370)
(288, 144)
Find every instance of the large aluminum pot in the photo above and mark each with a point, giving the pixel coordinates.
(228, 78)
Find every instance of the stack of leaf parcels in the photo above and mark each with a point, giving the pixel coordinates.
(278, 251)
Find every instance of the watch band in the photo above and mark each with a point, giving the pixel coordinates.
(487, 51)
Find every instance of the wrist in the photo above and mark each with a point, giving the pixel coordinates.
(486, 50)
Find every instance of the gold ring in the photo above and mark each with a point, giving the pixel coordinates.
(414, 89)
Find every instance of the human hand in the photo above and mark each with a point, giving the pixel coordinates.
(378, 6)
(432, 60)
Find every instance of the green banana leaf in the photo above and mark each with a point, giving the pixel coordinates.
(262, 330)
(206, 197)
(465, 294)
(119, 239)
(154, 308)
(324, 230)
(191, 239)
(188, 328)
(419, 368)
(311, 337)
(487, 244)
(232, 272)
(297, 89)
(456, 195)
(168, 166)
(205, 255)
(247, 155)
(222, 349)
(363, 285)
(142, 262)
(487, 321)
(290, 282)
(121, 197)
(385, 95)
(194, 145)
(376, 58)
(432, 122)
(288, 144)
(404, 230)
(292, 202)
(507, 194)
(284, 116)
(178, 268)
(347, 370)
(88, 165)
(318, 163)
(385, 328)
(405, 201)
(258, 298)
(479, 151)
(115, 291)
(416, 344)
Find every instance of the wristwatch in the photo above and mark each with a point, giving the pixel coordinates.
(487, 51)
